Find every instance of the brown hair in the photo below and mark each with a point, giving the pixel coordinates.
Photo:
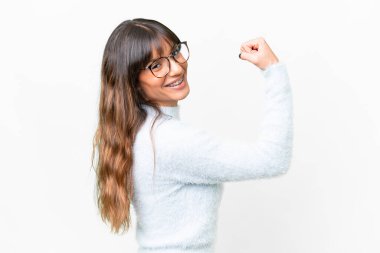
(121, 113)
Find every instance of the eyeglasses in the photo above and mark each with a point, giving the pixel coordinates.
(160, 67)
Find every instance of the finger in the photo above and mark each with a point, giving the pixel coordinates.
(251, 45)
(248, 57)
(243, 55)
(246, 48)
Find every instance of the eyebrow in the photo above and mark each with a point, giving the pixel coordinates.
(152, 60)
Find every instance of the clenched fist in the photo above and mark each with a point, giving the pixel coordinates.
(258, 52)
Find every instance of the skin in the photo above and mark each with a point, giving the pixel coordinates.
(255, 51)
(258, 52)
(153, 87)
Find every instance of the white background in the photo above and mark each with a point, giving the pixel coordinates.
(50, 58)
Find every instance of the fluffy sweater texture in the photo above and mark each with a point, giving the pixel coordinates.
(176, 202)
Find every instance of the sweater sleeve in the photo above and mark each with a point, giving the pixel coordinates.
(187, 154)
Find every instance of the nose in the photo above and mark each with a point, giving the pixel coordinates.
(175, 67)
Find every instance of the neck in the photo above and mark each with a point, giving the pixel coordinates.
(173, 110)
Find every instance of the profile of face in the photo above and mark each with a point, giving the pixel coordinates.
(157, 89)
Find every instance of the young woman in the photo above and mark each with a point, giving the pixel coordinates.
(172, 173)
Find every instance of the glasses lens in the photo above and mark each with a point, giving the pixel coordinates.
(160, 67)
(181, 54)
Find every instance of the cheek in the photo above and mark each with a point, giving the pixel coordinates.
(156, 83)
(151, 85)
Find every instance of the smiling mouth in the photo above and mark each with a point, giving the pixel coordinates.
(176, 83)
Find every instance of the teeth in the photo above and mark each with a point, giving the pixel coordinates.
(176, 83)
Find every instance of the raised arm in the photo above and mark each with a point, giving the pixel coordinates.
(191, 155)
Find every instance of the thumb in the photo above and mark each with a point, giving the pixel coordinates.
(251, 57)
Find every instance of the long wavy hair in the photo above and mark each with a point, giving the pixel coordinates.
(129, 49)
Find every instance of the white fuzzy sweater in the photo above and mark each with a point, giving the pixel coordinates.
(177, 211)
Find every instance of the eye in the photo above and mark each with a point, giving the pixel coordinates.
(177, 50)
(155, 66)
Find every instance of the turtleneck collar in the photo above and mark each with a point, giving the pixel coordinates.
(173, 111)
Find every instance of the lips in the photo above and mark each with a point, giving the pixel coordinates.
(181, 78)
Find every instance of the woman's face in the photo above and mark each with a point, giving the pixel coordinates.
(156, 88)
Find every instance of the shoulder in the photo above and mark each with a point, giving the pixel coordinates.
(174, 129)
(174, 134)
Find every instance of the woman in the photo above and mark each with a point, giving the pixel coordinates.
(170, 172)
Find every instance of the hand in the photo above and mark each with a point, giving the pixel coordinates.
(258, 52)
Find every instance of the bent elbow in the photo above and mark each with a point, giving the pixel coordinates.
(282, 162)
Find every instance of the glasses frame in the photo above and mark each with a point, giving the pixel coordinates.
(167, 57)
